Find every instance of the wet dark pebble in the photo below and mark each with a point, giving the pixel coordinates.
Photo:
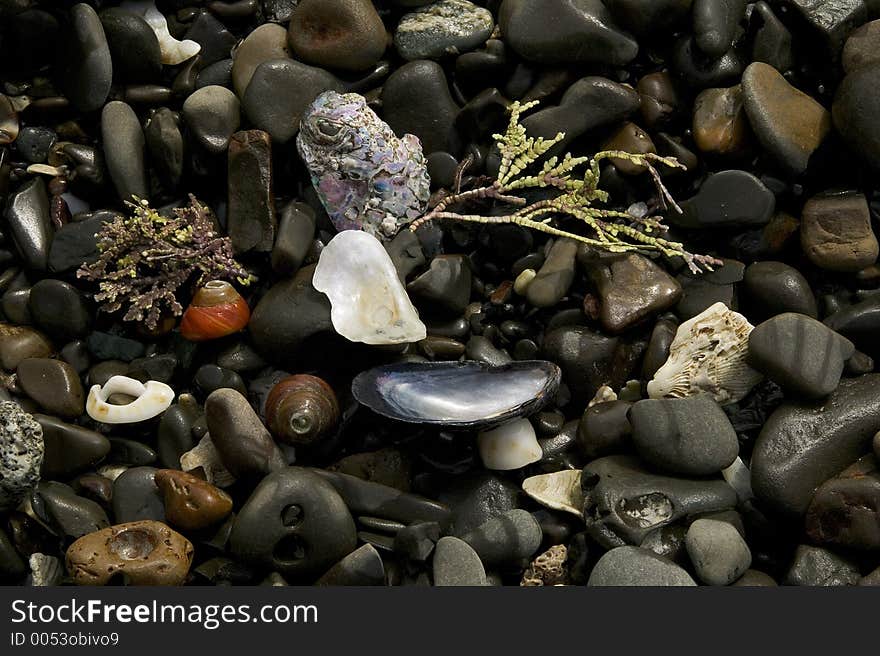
(771, 108)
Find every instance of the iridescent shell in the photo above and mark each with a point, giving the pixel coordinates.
(366, 177)
(708, 354)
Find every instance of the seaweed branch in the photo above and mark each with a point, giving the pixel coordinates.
(611, 230)
(144, 258)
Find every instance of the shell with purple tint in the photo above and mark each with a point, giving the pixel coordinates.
(464, 395)
(365, 176)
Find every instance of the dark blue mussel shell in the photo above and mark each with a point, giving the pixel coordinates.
(465, 395)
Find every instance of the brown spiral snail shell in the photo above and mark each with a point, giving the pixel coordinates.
(216, 310)
(300, 409)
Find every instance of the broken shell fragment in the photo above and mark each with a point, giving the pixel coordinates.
(174, 52)
(708, 354)
(457, 394)
(151, 398)
(558, 490)
(368, 303)
(145, 552)
(205, 456)
(510, 446)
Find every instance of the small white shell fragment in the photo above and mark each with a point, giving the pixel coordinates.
(205, 455)
(708, 354)
(151, 398)
(45, 169)
(603, 395)
(510, 446)
(739, 478)
(558, 490)
(523, 280)
(368, 302)
(46, 571)
(112, 472)
(173, 51)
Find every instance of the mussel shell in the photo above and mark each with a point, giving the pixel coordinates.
(465, 395)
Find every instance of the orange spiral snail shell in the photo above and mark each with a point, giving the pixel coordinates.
(216, 310)
(300, 409)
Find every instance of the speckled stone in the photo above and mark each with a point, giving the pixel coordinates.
(21, 454)
(441, 28)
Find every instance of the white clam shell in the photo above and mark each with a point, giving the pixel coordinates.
(173, 51)
(708, 354)
(152, 398)
(558, 490)
(205, 455)
(368, 302)
(510, 446)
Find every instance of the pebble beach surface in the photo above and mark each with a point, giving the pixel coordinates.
(226, 359)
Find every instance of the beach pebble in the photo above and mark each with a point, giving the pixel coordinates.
(634, 566)
(444, 27)
(21, 454)
(718, 552)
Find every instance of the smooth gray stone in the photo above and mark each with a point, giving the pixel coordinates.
(75, 244)
(553, 279)
(623, 502)
(856, 113)
(279, 93)
(510, 539)
(647, 17)
(800, 354)
(584, 356)
(457, 564)
(774, 287)
(587, 104)
(85, 64)
(634, 566)
(475, 498)
(445, 285)
(28, 218)
(174, 435)
(718, 552)
(296, 234)
(69, 448)
(377, 500)
(59, 309)
(802, 445)
(242, 440)
(572, 32)
(72, 514)
(731, 198)
(12, 566)
(363, 566)
(136, 496)
(773, 41)
(690, 436)
(815, 566)
(416, 100)
(165, 145)
(482, 349)
(123, 141)
(716, 23)
(295, 523)
(133, 45)
(212, 114)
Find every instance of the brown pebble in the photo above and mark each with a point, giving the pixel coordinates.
(191, 503)
(630, 138)
(146, 552)
(53, 384)
(836, 232)
(720, 123)
(20, 342)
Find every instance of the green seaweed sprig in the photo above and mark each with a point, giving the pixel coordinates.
(613, 231)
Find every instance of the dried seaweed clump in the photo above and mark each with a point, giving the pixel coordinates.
(144, 258)
(612, 231)
(548, 568)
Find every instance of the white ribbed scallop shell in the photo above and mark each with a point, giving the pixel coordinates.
(708, 354)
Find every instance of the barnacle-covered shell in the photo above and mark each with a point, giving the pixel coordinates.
(457, 394)
(368, 303)
(217, 310)
(708, 354)
(300, 409)
(548, 568)
(365, 176)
